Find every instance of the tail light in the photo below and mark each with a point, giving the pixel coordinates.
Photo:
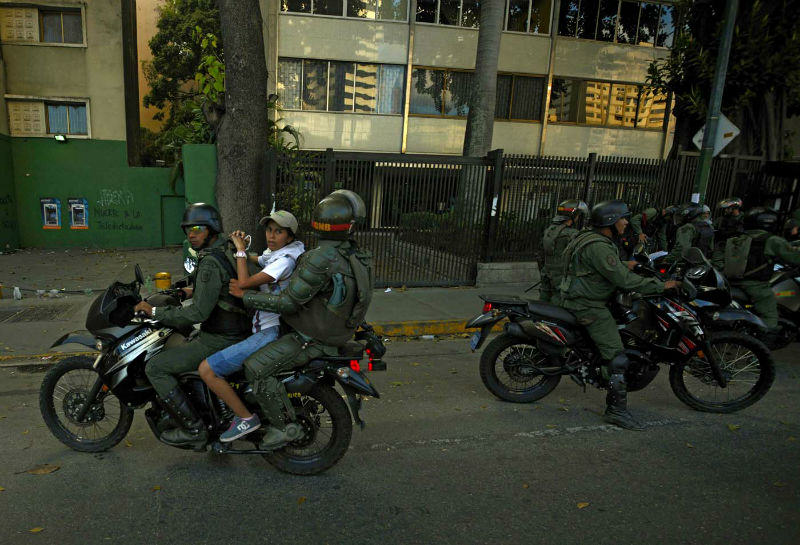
(375, 364)
(662, 270)
(354, 365)
(487, 307)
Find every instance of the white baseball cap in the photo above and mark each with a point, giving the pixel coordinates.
(283, 218)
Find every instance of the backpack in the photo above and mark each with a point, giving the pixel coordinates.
(737, 250)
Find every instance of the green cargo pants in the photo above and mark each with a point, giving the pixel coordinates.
(163, 369)
(260, 368)
(601, 327)
(546, 289)
(764, 303)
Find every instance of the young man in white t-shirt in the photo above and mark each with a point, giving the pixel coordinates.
(277, 263)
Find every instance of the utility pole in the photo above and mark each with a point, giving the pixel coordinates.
(715, 103)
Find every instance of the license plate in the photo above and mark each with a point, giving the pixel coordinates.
(476, 338)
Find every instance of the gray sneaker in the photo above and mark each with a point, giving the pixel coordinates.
(240, 427)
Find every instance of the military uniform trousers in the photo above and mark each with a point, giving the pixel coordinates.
(601, 327)
(164, 367)
(287, 352)
(764, 303)
(548, 293)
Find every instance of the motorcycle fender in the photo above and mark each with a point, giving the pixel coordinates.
(355, 381)
(733, 316)
(484, 320)
(80, 337)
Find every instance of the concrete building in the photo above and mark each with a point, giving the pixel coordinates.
(395, 75)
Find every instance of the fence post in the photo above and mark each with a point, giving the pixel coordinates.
(587, 184)
(271, 169)
(330, 171)
(494, 193)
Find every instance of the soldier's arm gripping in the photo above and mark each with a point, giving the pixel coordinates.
(607, 263)
(779, 249)
(310, 276)
(208, 286)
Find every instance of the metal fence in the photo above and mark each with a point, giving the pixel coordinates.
(431, 219)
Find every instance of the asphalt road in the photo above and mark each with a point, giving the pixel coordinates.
(441, 461)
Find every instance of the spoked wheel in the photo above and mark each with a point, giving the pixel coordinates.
(512, 370)
(64, 391)
(746, 364)
(327, 428)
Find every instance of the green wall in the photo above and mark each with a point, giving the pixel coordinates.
(8, 210)
(200, 172)
(125, 204)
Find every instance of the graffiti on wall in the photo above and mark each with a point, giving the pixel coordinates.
(117, 211)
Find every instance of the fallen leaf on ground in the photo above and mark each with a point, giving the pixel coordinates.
(525, 485)
(779, 484)
(1, 488)
(689, 445)
(791, 439)
(128, 443)
(415, 364)
(42, 469)
(395, 384)
(155, 488)
(301, 500)
(583, 504)
(36, 530)
(733, 427)
(551, 426)
(483, 406)
(785, 423)
(26, 432)
(565, 409)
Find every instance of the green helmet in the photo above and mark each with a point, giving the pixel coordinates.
(336, 215)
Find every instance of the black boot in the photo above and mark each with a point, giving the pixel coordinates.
(617, 405)
(192, 430)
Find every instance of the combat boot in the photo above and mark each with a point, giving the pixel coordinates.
(192, 430)
(276, 438)
(617, 405)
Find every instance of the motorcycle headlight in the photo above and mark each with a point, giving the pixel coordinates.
(99, 345)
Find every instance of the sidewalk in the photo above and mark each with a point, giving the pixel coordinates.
(29, 327)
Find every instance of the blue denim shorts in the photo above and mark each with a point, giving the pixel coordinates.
(230, 360)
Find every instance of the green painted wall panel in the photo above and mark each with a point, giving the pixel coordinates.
(8, 210)
(200, 172)
(124, 203)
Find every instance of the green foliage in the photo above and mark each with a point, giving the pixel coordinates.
(210, 75)
(763, 78)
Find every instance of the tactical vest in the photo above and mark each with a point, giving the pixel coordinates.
(553, 251)
(758, 266)
(573, 282)
(229, 316)
(704, 239)
(332, 316)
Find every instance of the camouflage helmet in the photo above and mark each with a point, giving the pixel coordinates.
(336, 215)
(729, 203)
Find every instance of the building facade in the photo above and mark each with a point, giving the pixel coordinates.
(396, 75)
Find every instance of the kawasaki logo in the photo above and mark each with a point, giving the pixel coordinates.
(130, 342)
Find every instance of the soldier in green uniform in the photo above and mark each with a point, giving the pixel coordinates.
(650, 226)
(222, 317)
(696, 230)
(566, 224)
(750, 258)
(727, 223)
(593, 272)
(326, 300)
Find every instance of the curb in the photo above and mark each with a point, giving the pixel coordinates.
(384, 329)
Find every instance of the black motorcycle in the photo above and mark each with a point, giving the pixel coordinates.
(719, 371)
(88, 405)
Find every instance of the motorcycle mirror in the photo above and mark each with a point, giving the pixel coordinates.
(139, 275)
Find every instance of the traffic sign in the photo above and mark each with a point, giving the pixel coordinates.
(726, 131)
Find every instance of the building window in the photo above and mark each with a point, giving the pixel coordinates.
(340, 86)
(41, 25)
(606, 104)
(449, 92)
(521, 15)
(385, 10)
(620, 21)
(64, 118)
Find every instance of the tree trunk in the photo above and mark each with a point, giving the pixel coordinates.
(480, 119)
(242, 134)
(771, 126)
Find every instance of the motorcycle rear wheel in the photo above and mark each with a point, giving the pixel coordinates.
(506, 365)
(747, 364)
(328, 428)
(63, 391)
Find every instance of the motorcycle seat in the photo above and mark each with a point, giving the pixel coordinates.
(553, 312)
(738, 294)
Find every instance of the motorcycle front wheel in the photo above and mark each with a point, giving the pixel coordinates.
(510, 370)
(64, 391)
(746, 364)
(327, 429)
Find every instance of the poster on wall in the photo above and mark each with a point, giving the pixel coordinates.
(51, 213)
(78, 213)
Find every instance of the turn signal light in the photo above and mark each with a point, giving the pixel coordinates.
(354, 365)
(487, 307)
